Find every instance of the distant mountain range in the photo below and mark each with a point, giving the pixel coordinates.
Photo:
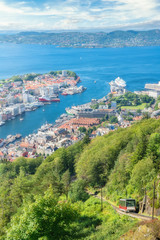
(87, 40)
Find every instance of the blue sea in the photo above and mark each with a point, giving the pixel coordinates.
(137, 66)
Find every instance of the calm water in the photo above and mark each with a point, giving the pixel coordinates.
(136, 65)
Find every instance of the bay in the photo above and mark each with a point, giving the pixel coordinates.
(137, 66)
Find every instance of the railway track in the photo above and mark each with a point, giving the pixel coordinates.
(133, 215)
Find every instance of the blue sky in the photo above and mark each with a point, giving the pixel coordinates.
(79, 14)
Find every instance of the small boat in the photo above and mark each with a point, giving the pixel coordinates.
(2, 123)
(64, 94)
(21, 119)
(43, 110)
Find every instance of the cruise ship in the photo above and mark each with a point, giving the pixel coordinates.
(118, 86)
(120, 82)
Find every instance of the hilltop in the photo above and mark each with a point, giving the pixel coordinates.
(87, 40)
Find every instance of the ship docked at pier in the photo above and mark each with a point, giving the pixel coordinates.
(48, 99)
(118, 86)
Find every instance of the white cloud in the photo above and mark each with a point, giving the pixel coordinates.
(72, 14)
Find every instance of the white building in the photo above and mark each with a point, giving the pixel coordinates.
(154, 89)
(11, 99)
(14, 110)
(25, 96)
(64, 73)
(21, 108)
(1, 116)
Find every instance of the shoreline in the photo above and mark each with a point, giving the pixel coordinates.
(68, 129)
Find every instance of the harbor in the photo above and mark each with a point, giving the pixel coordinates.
(103, 68)
(98, 117)
(25, 93)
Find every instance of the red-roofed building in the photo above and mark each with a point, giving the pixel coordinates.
(80, 122)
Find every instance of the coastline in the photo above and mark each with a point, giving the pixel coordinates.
(91, 117)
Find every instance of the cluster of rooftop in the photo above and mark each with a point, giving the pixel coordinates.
(96, 118)
(30, 91)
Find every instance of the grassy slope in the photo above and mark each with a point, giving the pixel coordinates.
(141, 107)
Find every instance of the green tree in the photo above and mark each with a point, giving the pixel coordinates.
(139, 111)
(113, 119)
(30, 77)
(72, 74)
(153, 149)
(142, 174)
(86, 139)
(82, 129)
(66, 178)
(95, 106)
(140, 150)
(16, 79)
(45, 218)
(78, 192)
(146, 115)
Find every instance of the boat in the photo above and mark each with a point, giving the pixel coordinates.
(117, 86)
(64, 94)
(43, 110)
(46, 99)
(21, 119)
(120, 82)
(54, 100)
(70, 111)
(2, 123)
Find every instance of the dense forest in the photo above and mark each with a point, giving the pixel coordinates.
(47, 199)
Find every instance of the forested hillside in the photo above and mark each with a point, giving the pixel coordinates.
(124, 162)
(46, 198)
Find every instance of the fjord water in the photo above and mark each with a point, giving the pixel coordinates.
(137, 66)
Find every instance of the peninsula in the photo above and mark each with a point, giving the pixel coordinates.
(28, 92)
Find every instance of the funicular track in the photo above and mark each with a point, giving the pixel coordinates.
(133, 215)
